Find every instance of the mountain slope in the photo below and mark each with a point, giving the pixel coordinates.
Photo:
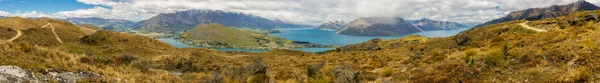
(184, 20)
(107, 24)
(331, 25)
(544, 13)
(429, 25)
(378, 26)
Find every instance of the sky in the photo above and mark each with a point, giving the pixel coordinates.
(312, 12)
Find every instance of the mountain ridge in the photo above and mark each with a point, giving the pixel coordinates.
(430, 25)
(183, 20)
(331, 25)
(378, 26)
(107, 24)
(545, 12)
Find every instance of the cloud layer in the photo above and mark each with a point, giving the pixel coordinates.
(311, 11)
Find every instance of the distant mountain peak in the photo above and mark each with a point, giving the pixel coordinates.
(546, 12)
(185, 20)
(428, 24)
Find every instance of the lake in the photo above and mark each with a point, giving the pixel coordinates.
(322, 37)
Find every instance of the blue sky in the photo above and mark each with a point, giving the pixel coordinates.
(46, 6)
(311, 12)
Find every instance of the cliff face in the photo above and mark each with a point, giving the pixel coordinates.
(378, 26)
(331, 25)
(544, 13)
(184, 20)
(428, 25)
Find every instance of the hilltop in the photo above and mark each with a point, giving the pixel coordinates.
(378, 26)
(220, 36)
(544, 13)
(180, 21)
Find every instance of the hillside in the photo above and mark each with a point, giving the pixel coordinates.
(331, 25)
(503, 52)
(220, 36)
(430, 25)
(378, 26)
(106, 24)
(545, 13)
(180, 21)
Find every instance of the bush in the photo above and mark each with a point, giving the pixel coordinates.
(144, 66)
(314, 69)
(126, 58)
(494, 57)
(387, 72)
(260, 78)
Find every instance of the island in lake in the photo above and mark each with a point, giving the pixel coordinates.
(220, 36)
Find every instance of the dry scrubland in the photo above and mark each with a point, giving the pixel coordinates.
(504, 52)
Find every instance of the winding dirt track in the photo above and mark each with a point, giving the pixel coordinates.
(524, 24)
(55, 35)
(17, 36)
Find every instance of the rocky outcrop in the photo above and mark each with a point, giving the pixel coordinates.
(378, 26)
(331, 25)
(544, 13)
(14, 74)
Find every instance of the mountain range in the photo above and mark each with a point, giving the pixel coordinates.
(378, 26)
(544, 13)
(106, 24)
(430, 25)
(180, 21)
(331, 25)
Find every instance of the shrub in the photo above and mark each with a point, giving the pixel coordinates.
(260, 78)
(126, 58)
(314, 69)
(387, 72)
(144, 66)
(468, 56)
(494, 57)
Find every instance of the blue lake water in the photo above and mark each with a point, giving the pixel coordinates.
(322, 37)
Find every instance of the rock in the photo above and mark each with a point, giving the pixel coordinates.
(70, 77)
(16, 74)
(345, 74)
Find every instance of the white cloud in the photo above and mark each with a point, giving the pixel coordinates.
(4, 13)
(317, 11)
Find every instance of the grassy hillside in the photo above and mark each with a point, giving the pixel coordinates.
(222, 34)
(219, 36)
(504, 52)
